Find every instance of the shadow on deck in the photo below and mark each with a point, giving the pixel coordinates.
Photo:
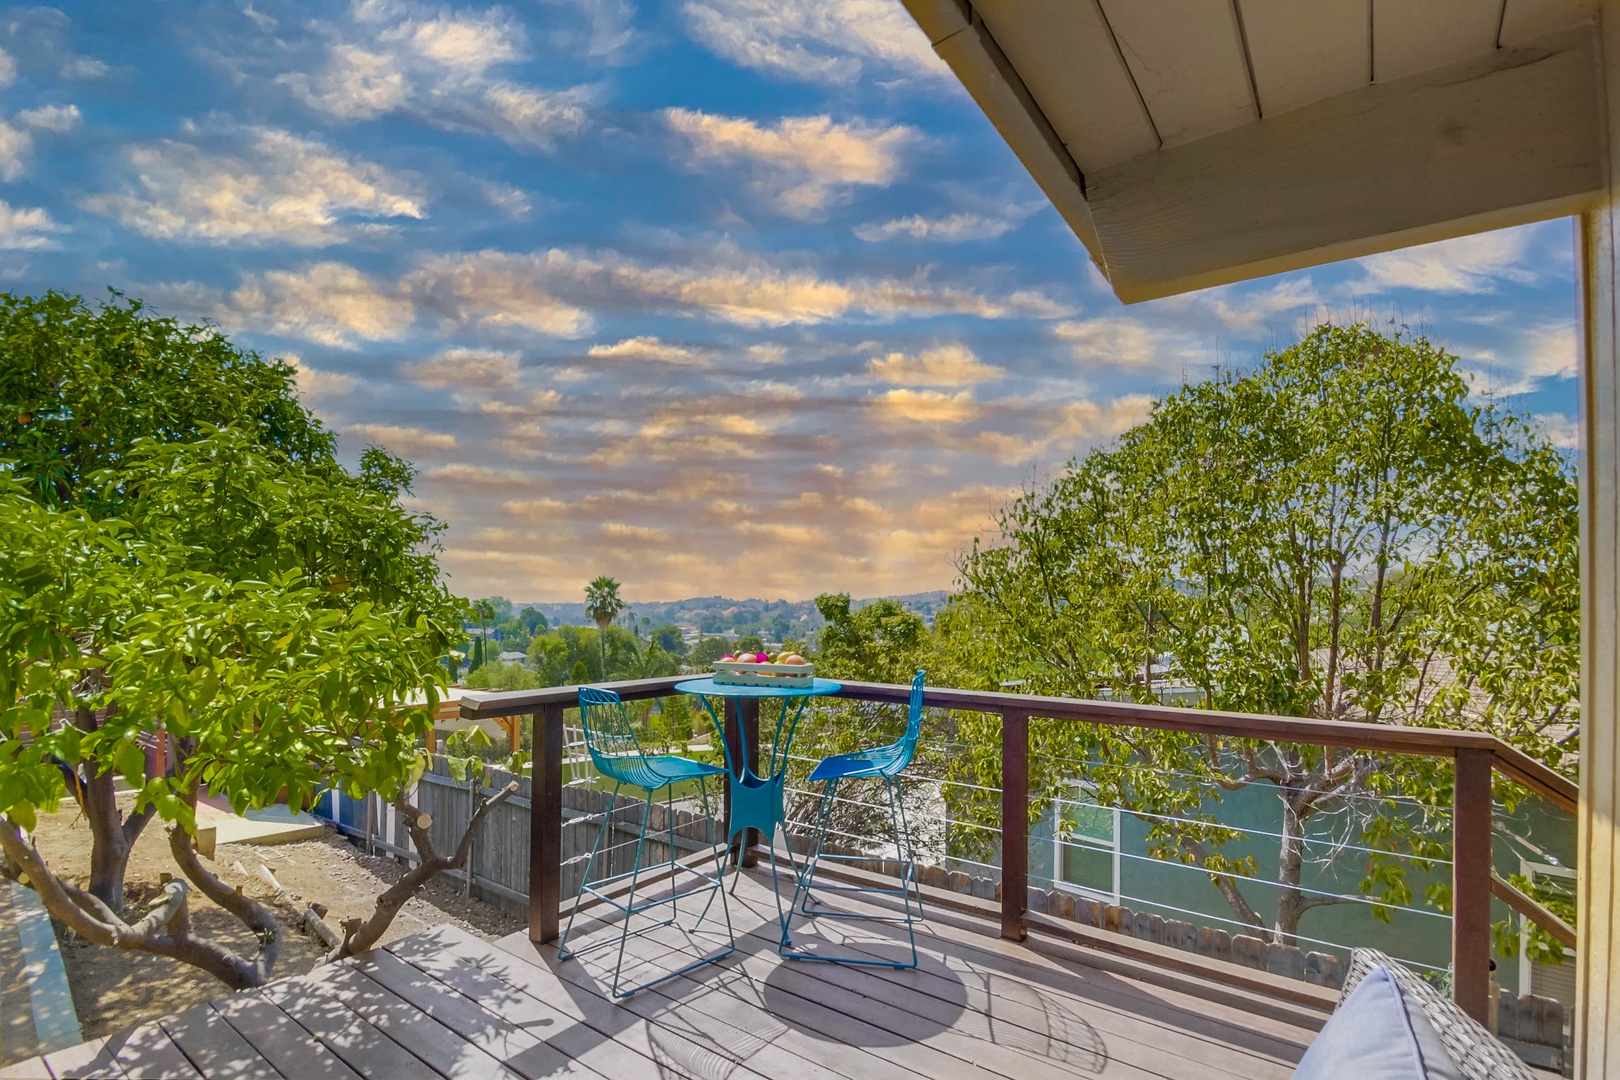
(446, 1004)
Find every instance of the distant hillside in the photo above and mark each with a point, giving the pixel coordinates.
(718, 614)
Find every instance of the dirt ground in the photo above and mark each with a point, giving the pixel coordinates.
(114, 989)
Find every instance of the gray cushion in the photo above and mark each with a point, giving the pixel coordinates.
(1474, 1053)
(1368, 1037)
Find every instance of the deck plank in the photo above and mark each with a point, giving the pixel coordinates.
(346, 1033)
(686, 1041)
(445, 1004)
(436, 1046)
(1117, 1035)
(887, 1030)
(214, 1048)
(522, 1001)
(280, 1040)
(507, 1043)
(94, 1058)
(701, 1001)
(952, 935)
(1007, 1000)
(148, 1053)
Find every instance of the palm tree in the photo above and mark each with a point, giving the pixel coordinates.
(603, 604)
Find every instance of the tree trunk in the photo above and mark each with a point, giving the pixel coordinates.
(1291, 902)
(112, 835)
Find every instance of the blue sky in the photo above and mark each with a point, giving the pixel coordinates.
(715, 296)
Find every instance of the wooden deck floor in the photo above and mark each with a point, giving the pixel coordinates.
(445, 1004)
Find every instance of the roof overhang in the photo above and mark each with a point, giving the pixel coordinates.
(1189, 182)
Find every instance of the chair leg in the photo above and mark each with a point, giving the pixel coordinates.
(669, 813)
(601, 831)
(721, 858)
(630, 901)
(802, 896)
(907, 857)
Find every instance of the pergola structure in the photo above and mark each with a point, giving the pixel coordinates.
(1189, 143)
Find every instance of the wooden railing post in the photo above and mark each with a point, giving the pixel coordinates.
(1471, 883)
(545, 825)
(1014, 823)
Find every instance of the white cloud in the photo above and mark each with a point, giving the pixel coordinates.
(1468, 264)
(608, 25)
(460, 368)
(952, 228)
(14, 146)
(648, 348)
(803, 164)
(945, 365)
(279, 188)
(500, 289)
(553, 292)
(509, 200)
(815, 40)
(926, 406)
(404, 441)
(83, 67)
(8, 69)
(26, 228)
(1062, 432)
(1560, 430)
(59, 118)
(1549, 351)
(1117, 341)
(436, 65)
(329, 303)
(316, 385)
(463, 474)
(1248, 310)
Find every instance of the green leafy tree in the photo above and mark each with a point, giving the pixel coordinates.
(749, 643)
(484, 612)
(881, 642)
(669, 639)
(500, 676)
(1338, 534)
(184, 550)
(264, 684)
(80, 385)
(580, 674)
(514, 638)
(534, 621)
(705, 651)
(602, 605)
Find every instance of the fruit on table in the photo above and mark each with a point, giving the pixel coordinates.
(727, 658)
(794, 658)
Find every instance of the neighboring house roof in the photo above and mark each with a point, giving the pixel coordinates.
(1192, 144)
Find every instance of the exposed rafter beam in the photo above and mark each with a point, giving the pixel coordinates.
(1501, 139)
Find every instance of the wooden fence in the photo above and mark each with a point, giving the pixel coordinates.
(500, 852)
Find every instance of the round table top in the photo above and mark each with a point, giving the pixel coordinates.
(816, 688)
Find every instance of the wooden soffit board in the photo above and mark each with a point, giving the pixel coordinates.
(1170, 195)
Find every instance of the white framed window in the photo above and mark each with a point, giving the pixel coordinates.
(1556, 981)
(1087, 859)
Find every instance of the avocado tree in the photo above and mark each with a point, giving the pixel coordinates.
(1341, 534)
(79, 387)
(201, 564)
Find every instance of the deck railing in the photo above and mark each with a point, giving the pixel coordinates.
(1476, 756)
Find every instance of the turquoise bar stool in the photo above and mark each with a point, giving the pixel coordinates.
(884, 763)
(617, 755)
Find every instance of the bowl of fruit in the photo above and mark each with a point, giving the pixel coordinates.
(787, 669)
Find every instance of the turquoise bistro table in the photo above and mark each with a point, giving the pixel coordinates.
(756, 800)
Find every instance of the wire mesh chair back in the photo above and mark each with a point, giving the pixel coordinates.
(611, 740)
(906, 746)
